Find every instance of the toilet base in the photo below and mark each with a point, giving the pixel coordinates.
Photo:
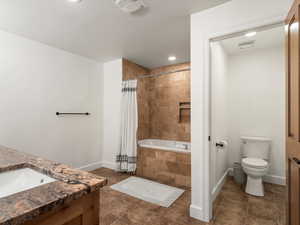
(255, 186)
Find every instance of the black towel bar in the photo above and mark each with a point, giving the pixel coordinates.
(59, 113)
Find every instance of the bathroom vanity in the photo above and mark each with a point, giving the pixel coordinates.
(36, 191)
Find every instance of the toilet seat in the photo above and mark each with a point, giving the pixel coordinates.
(255, 163)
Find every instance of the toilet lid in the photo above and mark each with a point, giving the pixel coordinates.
(255, 162)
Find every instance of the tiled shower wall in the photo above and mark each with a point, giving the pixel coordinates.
(165, 95)
(159, 100)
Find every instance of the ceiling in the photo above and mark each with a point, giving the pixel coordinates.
(264, 39)
(97, 29)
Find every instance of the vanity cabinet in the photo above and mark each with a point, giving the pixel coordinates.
(83, 211)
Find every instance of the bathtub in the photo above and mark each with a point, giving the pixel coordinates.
(174, 146)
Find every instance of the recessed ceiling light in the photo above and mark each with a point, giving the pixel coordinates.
(172, 58)
(251, 34)
(75, 1)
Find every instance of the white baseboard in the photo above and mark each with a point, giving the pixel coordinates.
(216, 190)
(230, 172)
(272, 179)
(98, 165)
(109, 165)
(197, 213)
(92, 166)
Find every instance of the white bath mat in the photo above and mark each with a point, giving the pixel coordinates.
(149, 191)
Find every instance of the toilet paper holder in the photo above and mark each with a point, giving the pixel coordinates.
(220, 144)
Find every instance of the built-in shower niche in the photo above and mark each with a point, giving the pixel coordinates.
(184, 112)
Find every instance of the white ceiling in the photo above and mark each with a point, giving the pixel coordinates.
(98, 30)
(264, 39)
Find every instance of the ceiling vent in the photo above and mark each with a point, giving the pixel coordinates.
(130, 6)
(248, 44)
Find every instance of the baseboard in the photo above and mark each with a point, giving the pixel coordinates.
(197, 213)
(230, 172)
(98, 165)
(216, 190)
(109, 165)
(91, 167)
(272, 179)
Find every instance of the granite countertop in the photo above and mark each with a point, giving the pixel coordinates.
(72, 184)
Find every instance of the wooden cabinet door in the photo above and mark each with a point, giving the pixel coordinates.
(293, 115)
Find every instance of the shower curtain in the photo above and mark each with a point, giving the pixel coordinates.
(126, 159)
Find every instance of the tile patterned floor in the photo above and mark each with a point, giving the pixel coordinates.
(232, 207)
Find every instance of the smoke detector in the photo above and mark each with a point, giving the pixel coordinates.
(130, 6)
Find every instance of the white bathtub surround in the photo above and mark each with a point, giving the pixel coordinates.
(15, 181)
(174, 146)
(149, 191)
(127, 156)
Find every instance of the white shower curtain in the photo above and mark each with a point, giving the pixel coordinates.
(126, 159)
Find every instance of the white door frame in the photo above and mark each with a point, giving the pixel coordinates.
(204, 212)
(210, 87)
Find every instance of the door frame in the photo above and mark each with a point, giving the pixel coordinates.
(211, 87)
(204, 213)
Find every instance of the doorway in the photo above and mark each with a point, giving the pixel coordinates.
(247, 101)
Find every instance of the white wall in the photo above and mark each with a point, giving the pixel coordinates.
(36, 81)
(256, 100)
(219, 116)
(231, 17)
(111, 111)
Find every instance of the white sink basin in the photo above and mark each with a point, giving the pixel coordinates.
(12, 182)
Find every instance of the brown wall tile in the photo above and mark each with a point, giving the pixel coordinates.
(167, 167)
(183, 158)
(166, 93)
(132, 70)
(158, 101)
(166, 156)
(181, 180)
(166, 177)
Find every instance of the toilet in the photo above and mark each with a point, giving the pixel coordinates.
(255, 162)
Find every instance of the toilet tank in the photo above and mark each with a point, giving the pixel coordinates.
(256, 147)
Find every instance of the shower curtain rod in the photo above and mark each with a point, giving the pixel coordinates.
(161, 74)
